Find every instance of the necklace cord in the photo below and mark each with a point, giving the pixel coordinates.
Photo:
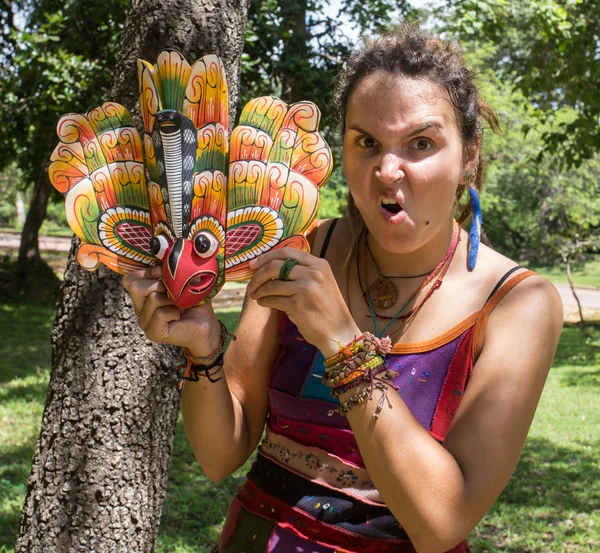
(441, 270)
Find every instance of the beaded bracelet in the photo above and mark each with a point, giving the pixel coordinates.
(345, 351)
(358, 363)
(361, 396)
(356, 353)
(380, 374)
(350, 374)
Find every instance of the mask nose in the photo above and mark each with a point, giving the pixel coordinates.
(175, 254)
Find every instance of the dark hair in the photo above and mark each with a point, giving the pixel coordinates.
(408, 51)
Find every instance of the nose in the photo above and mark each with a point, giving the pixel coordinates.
(390, 169)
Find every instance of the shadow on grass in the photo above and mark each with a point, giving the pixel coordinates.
(15, 464)
(556, 477)
(35, 282)
(25, 347)
(549, 505)
(195, 507)
(583, 378)
(32, 392)
(579, 346)
(11, 500)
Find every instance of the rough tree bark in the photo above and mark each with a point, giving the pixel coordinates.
(100, 467)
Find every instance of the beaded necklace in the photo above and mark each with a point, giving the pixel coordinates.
(441, 270)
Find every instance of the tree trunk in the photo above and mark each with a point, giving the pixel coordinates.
(29, 250)
(294, 59)
(100, 466)
(569, 278)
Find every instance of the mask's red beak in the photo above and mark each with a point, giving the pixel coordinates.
(188, 277)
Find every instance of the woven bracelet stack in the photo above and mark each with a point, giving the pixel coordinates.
(206, 367)
(362, 361)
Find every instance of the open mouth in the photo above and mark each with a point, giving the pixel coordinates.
(391, 206)
(201, 282)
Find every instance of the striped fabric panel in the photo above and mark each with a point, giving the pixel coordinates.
(324, 515)
(327, 505)
(303, 524)
(315, 464)
(305, 410)
(336, 441)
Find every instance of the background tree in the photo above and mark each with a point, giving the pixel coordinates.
(549, 50)
(59, 62)
(100, 465)
(536, 207)
(295, 49)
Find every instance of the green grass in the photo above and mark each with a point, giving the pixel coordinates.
(551, 505)
(48, 228)
(584, 273)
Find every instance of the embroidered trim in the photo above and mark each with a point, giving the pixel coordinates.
(335, 441)
(317, 465)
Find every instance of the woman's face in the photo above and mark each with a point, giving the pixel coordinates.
(403, 159)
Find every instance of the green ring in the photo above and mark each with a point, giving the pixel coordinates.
(286, 269)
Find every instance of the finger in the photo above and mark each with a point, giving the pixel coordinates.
(153, 302)
(272, 271)
(282, 303)
(132, 277)
(163, 325)
(280, 254)
(153, 272)
(266, 273)
(139, 290)
(276, 288)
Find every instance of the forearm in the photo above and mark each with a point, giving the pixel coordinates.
(420, 481)
(214, 425)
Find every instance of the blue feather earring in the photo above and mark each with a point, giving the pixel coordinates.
(476, 223)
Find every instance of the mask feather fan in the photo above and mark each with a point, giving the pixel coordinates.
(202, 206)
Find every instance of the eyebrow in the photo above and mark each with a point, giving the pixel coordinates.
(430, 125)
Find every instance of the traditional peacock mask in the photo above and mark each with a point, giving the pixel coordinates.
(200, 209)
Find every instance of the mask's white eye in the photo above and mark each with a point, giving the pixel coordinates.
(159, 246)
(205, 244)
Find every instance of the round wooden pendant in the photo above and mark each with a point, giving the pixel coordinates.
(383, 293)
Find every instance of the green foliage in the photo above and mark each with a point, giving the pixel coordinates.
(10, 186)
(548, 49)
(60, 62)
(533, 207)
(295, 49)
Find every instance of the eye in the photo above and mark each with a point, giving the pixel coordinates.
(205, 244)
(159, 246)
(422, 145)
(366, 142)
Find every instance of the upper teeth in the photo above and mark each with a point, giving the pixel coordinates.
(389, 201)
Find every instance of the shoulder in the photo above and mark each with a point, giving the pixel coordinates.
(315, 235)
(533, 298)
(524, 304)
(524, 324)
(532, 307)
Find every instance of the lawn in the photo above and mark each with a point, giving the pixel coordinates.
(552, 503)
(584, 273)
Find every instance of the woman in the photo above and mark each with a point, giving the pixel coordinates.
(411, 454)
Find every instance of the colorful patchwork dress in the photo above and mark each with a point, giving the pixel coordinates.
(309, 490)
